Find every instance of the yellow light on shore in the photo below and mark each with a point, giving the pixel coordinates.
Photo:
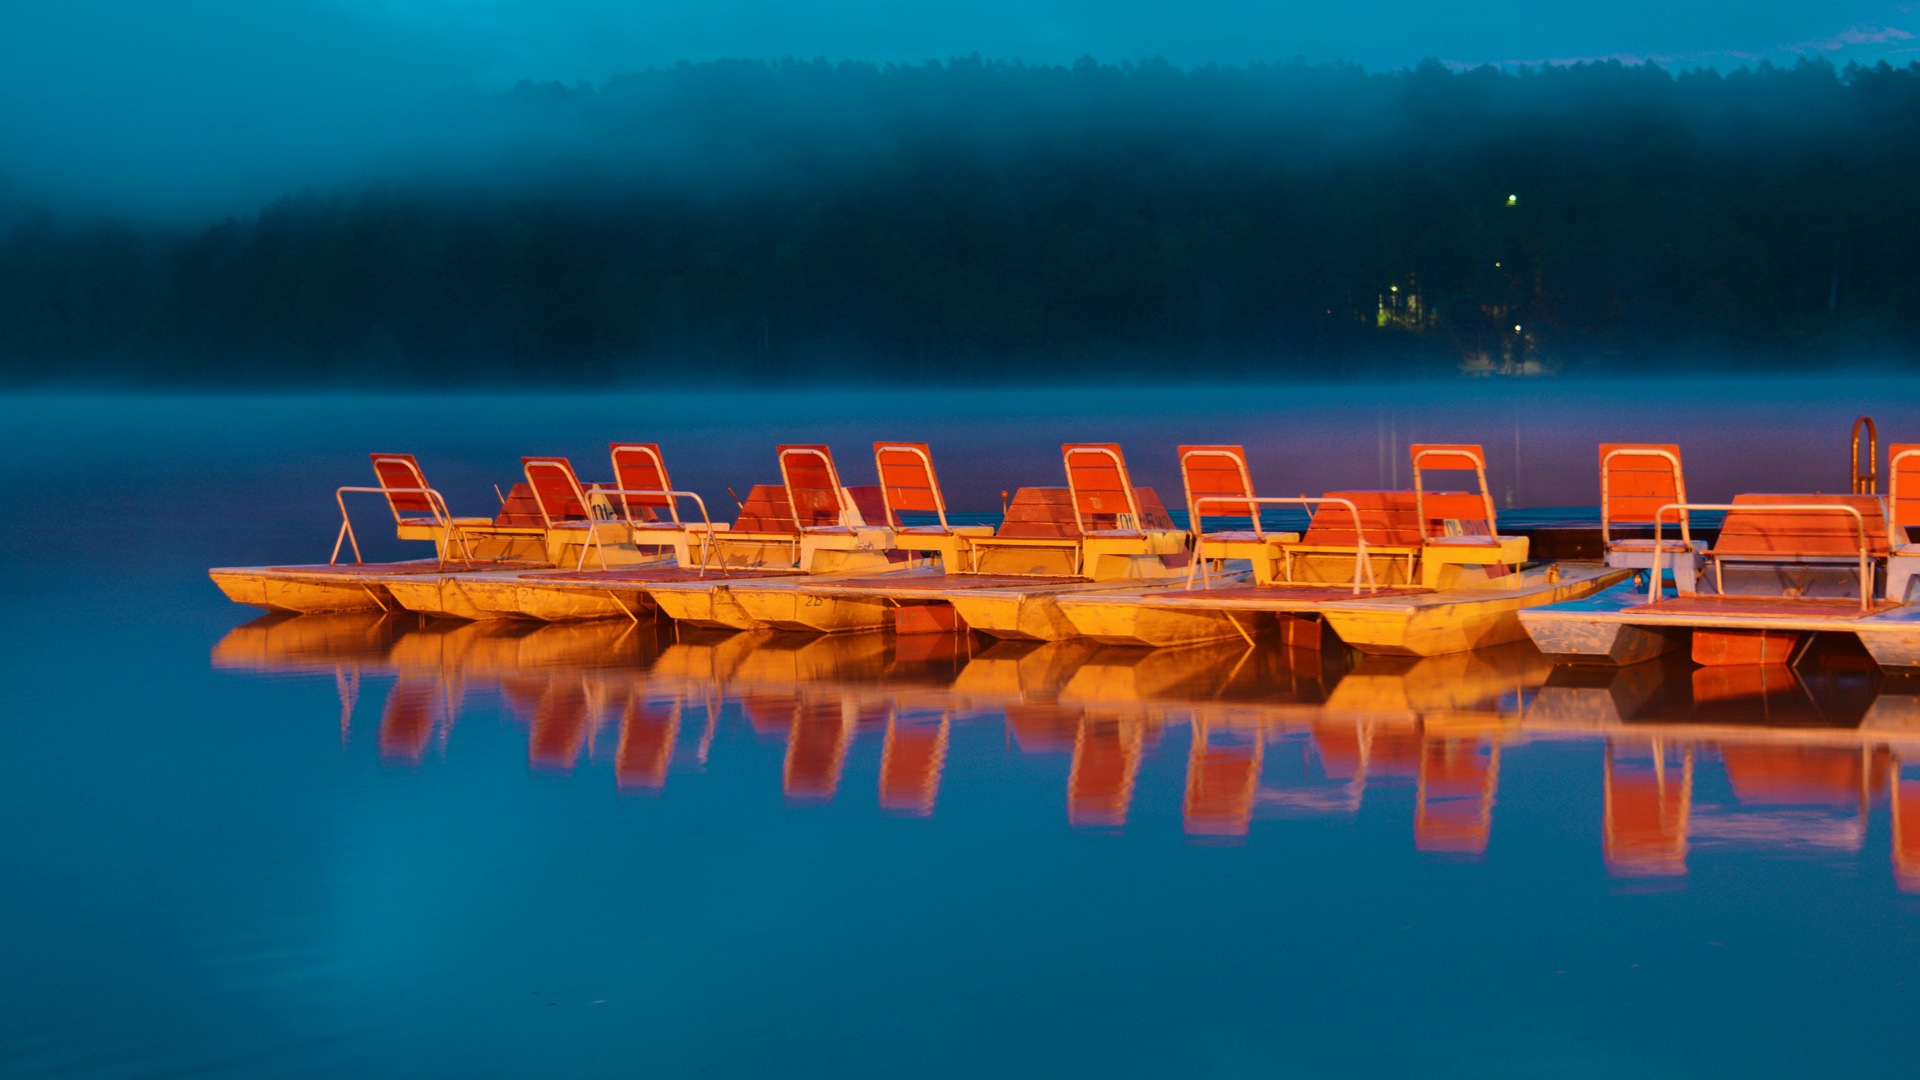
(1513, 200)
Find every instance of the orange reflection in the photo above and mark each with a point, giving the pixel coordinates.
(1106, 757)
(1774, 775)
(559, 727)
(647, 735)
(1906, 830)
(406, 723)
(1648, 797)
(1223, 776)
(910, 764)
(816, 750)
(1806, 751)
(1453, 810)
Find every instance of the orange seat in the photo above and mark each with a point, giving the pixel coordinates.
(1636, 480)
(1100, 527)
(563, 506)
(907, 482)
(1903, 513)
(1793, 530)
(640, 478)
(814, 496)
(419, 512)
(1219, 484)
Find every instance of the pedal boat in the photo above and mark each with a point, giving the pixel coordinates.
(1406, 573)
(420, 513)
(1802, 565)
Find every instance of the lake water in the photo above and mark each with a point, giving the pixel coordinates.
(244, 846)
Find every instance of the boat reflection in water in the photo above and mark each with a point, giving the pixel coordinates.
(1692, 758)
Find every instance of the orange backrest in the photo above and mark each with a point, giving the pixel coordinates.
(639, 467)
(398, 473)
(907, 480)
(555, 488)
(1636, 480)
(1213, 471)
(1811, 534)
(1097, 477)
(1903, 488)
(1472, 511)
(519, 510)
(1039, 514)
(1153, 515)
(813, 485)
(766, 511)
(1387, 519)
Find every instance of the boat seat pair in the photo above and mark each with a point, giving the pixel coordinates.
(1355, 538)
(1100, 527)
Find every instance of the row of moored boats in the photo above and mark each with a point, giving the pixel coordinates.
(1419, 572)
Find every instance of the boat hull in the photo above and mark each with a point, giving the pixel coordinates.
(1422, 624)
(305, 595)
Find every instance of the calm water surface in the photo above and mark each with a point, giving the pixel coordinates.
(252, 846)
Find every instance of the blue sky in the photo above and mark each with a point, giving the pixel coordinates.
(197, 104)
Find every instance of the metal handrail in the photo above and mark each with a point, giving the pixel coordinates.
(1868, 482)
(436, 503)
(1859, 528)
(673, 510)
(1362, 566)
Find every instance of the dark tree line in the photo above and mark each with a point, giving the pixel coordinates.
(969, 219)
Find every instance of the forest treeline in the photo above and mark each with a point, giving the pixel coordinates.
(973, 219)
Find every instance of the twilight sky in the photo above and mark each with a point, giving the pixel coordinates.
(207, 106)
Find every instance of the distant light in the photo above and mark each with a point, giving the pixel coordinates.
(1516, 328)
(1513, 200)
(1393, 288)
(1496, 266)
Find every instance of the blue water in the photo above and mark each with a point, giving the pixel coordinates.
(244, 848)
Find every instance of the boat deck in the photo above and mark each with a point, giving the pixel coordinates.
(1618, 626)
(656, 575)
